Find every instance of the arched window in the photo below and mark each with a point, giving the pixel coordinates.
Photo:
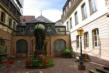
(59, 45)
(21, 46)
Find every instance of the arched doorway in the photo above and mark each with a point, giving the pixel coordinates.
(59, 46)
(21, 48)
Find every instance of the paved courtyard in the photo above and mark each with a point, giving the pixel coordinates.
(61, 66)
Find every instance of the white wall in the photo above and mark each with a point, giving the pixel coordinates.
(97, 20)
(101, 10)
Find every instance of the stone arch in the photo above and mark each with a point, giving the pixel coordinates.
(21, 46)
(59, 45)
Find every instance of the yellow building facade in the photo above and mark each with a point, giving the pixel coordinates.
(9, 18)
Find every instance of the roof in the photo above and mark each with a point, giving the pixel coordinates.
(22, 24)
(40, 19)
(59, 23)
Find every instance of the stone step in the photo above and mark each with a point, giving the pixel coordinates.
(101, 70)
(106, 68)
(93, 71)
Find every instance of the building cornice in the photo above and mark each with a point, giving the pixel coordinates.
(19, 3)
(71, 10)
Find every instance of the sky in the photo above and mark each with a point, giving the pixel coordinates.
(51, 9)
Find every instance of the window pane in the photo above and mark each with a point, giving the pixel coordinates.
(67, 25)
(76, 18)
(10, 22)
(77, 40)
(92, 6)
(84, 11)
(70, 22)
(86, 40)
(95, 37)
(3, 17)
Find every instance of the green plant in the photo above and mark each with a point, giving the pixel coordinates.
(3, 54)
(50, 62)
(39, 62)
(34, 63)
(67, 53)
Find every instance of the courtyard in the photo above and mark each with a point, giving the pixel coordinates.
(61, 65)
(61, 36)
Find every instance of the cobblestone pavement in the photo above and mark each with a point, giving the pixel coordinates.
(61, 66)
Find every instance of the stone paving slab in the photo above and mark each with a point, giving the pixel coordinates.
(61, 65)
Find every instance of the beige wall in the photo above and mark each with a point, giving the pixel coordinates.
(7, 38)
(50, 39)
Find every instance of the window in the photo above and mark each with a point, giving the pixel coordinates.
(67, 25)
(2, 42)
(14, 25)
(22, 30)
(10, 22)
(77, 41)
(95, 37)
(84, 11)
(69, 4)
(76, 18)
(70, 23)
(3, 17)
(92, 6)
(86, 40)
(31, 29)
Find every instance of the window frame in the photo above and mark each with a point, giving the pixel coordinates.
(70, 22)
(2, 19)
(95, 37)
(67, 25)
(76, 18)
(83, 11)
(86, 40)
(14, 25)
(78, 41)
(10, 22)
(91, 8)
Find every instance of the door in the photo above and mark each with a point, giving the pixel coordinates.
(21, 48)
(59, 46)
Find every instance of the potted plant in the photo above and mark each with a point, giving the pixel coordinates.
(67, 53)
(39, 62)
